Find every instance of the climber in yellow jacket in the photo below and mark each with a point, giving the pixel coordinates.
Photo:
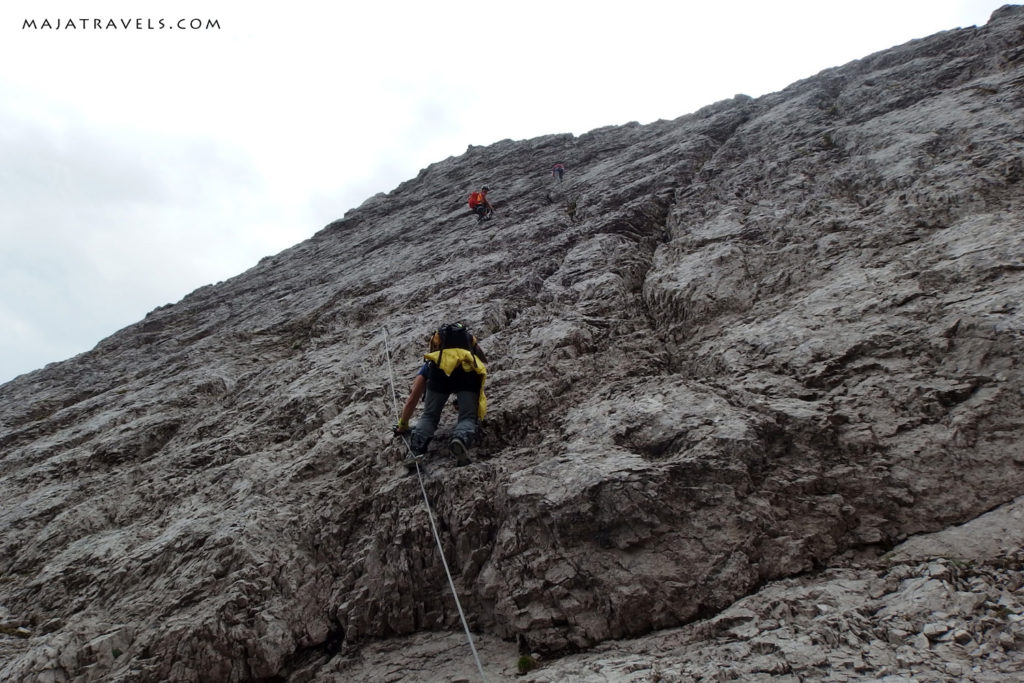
(456, 367)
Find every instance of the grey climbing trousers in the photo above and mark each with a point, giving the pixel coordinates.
(433, 404)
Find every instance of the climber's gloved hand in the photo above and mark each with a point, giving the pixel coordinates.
(402, 428)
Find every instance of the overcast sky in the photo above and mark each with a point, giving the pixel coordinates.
(139, 163)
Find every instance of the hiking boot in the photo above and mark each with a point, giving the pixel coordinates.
(458, 449)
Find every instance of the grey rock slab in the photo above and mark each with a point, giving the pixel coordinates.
(754, 391)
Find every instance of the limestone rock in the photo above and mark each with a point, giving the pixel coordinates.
(736, 359)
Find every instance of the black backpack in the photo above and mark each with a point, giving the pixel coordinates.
(454, 336)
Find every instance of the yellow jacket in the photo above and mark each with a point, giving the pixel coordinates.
(461, 358)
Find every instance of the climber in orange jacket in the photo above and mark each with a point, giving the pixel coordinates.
(480, 206)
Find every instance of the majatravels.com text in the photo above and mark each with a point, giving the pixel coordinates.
(120, 24)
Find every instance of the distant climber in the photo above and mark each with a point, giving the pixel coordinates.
(558, 170)
(480, 206)
(455, 367)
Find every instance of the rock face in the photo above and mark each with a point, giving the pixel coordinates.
(736, 360)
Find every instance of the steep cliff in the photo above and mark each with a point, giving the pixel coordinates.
(744, 352)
